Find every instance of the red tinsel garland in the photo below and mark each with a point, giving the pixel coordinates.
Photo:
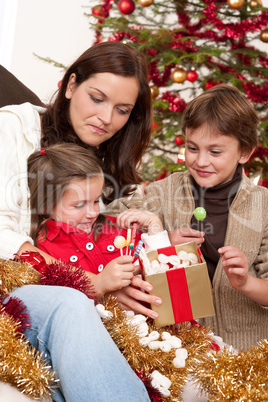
(15, 308)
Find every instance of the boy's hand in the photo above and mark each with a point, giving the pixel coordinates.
(235, 265)
(186, 235)
(144, 219)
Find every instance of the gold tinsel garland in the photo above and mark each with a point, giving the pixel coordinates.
(16, 274)
(193, 338)
(223, 376)
(234, 377)
(20, 364)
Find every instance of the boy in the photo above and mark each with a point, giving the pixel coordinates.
(220, 127)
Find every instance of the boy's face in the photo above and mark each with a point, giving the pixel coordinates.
(79, 205)
(211, 158)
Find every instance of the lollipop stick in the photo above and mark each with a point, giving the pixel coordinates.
(128, 239)
(133, 237)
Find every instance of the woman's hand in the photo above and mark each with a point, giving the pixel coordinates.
(134, 298)
(186, 235)
(144, 219)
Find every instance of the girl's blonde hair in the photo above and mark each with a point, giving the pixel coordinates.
(50, 172)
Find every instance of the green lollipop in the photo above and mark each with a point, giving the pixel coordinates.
(200, 213)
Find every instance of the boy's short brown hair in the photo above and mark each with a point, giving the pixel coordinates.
(226, 111)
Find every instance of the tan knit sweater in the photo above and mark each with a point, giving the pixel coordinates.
(238, 320)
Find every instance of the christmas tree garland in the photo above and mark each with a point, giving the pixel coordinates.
(222, 375)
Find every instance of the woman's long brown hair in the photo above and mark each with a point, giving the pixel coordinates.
(122, 154)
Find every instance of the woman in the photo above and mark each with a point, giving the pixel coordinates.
(104, 102)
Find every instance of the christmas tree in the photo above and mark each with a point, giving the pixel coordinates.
(191, 46)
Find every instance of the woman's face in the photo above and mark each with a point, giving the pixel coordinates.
(101, 105)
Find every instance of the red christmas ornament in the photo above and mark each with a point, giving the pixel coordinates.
(59, 84)
(126, 6)
(192, 75)
(154, 126)
(98, 11)
(209, 85)
(179, 141)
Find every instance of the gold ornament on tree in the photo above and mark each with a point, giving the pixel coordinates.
(264, 35)
(254, 4)
(154, 91)
(179, 75)
(236, 4)
(145, 3)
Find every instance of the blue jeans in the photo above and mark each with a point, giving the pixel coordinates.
(67, 328)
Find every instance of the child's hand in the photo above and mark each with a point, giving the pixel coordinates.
(117, 274)
(186, 235)
(144, 219)
(235, 265)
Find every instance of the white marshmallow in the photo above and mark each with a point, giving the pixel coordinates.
(165, 346)
(155, 265)
(192, 258)
(178, 362)
(175, 342)
(186, 263)
(163, 267)
(174, 260)
(181, 353)
(163, 258)
(182, 255)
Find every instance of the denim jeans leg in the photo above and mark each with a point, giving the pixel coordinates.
(66, 326)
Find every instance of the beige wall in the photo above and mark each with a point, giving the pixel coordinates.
(53, 28)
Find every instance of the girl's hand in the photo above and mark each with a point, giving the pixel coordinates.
(144, 219)
(116, 275)
(235, 265)
(135, 298)
(186, 235)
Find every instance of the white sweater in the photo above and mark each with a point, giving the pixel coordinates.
(20, 131)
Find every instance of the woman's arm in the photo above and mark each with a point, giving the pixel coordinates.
(14, 151)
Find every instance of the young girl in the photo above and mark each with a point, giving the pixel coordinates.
(66, 183)
(220, 127)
